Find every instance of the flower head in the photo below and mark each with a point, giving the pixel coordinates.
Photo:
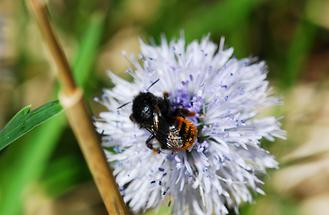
(224, 165)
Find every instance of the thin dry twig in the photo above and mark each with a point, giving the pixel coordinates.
(71, 98)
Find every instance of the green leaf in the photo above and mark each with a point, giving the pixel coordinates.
(25, 120)
(84, 61)
(301, 44)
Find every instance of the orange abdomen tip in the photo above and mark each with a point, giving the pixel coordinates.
(190, 133)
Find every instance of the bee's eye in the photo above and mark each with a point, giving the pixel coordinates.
(146, 112)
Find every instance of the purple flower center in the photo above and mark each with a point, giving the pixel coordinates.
(184, 99)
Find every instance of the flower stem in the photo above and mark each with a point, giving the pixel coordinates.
(71, 98)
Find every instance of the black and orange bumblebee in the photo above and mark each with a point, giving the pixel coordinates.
(170, 127)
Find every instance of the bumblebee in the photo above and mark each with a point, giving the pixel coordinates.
(168, 126)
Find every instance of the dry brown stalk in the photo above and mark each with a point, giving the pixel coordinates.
(71, 99)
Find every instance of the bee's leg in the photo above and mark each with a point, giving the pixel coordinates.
(149, 142)
(150, 145)
(184, 112)
(189, 113)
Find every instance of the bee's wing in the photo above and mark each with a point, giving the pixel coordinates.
(174, 141)
(166, 134)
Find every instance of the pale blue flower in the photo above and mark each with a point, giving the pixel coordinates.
(215, 174)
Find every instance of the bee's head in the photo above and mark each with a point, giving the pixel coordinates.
(143, 109)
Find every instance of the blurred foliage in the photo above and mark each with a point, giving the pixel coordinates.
(45, 168)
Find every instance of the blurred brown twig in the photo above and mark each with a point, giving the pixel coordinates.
(72, 100)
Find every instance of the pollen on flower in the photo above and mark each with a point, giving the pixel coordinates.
(225, 163)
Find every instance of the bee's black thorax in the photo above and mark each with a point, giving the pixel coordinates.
(145, 105)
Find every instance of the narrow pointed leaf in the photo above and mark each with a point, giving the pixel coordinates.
(25, 120)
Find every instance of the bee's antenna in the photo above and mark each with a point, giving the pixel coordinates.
(152, 84)
(123, 105)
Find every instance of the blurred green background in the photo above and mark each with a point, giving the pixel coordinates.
(44, 172)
